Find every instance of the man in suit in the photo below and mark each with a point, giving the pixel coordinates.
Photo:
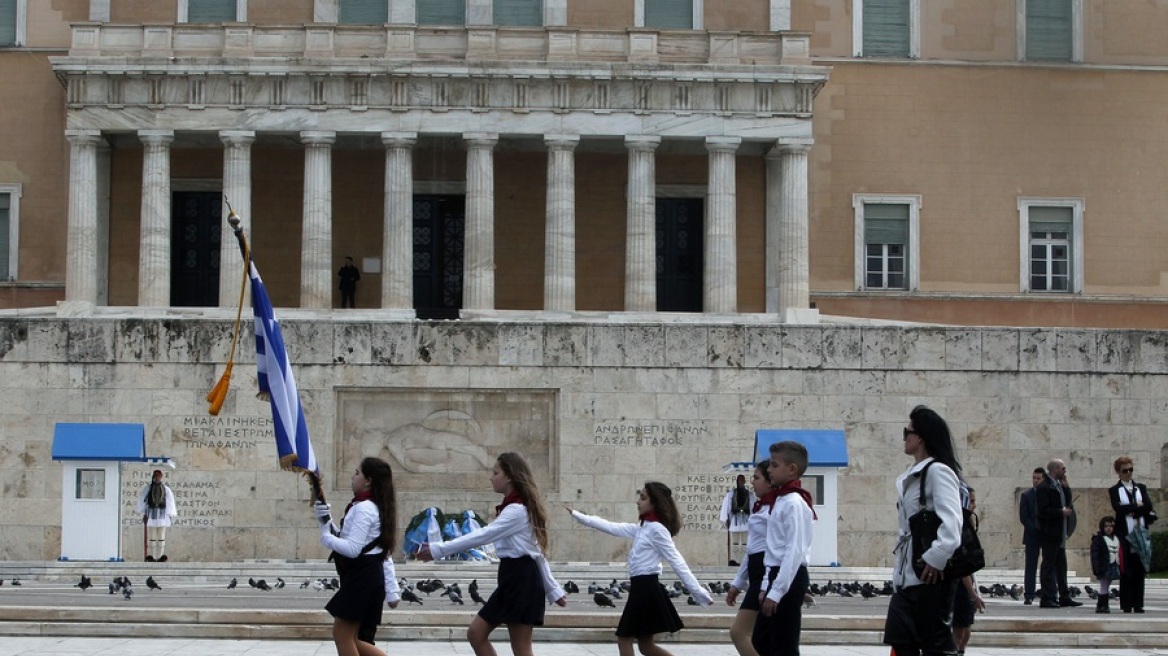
(1056, 514)
(1028, 515)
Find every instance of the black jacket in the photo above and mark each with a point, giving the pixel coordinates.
(1123, 508)
(1028, 515)
(1050, 511)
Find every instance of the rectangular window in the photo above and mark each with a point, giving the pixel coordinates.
(5, 222)
(1051, 249)
(7, 22)
(9, 229)
(1050, 30)
(364, 12)
(211, 11)
(887, 28)
(90, 484)
(886, 235)
(522, 13)
(441, 12)
(669, 14)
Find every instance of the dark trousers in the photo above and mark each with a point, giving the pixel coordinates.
(1052, 575)
(348, 298)
(920, 620)
(1028, 581)
(1131, 580)
(778, 635)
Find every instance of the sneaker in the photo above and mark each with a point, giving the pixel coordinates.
(1069, 603)
(162, 558)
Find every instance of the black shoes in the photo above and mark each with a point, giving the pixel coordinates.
(1028, 602)
(149, 559)
(162, 558)
(1069, 603)
(1048, 604)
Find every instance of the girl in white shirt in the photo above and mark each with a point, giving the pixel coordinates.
(361, 546)
(519, 533)
(752, 569)
(649, 610)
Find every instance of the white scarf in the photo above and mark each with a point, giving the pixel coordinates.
(1133, 497)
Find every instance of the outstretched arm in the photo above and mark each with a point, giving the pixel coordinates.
(627, 531)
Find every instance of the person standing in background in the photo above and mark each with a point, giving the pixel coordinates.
(156, 505)
(1028, 515)
(1133, 515)
(349, 276)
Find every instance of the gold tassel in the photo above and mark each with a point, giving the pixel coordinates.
(218, 393)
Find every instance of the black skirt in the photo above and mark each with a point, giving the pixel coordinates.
(648, 611)
(755, 568)
(361, 595)
(920, 617)
(519, 597)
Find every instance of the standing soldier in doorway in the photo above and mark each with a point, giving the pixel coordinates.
(735, 511)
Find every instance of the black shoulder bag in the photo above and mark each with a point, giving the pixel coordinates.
(968, 558)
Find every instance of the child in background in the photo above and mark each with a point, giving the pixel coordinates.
(649, 610)
(788, 548)
(1105, 561)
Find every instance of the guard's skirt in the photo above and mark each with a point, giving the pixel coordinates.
(649, 610)
(361, 595)
(755, 569)
(519, 596)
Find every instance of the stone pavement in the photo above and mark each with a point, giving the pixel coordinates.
(27, 646)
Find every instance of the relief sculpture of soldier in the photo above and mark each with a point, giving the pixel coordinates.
(445, 441)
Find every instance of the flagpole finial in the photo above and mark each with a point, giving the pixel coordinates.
(233, 219)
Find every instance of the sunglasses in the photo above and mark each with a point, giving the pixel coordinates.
(1126, 470)
(908, 431)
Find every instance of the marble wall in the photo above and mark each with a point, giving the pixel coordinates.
(598, 406)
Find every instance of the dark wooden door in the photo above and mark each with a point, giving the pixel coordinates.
(679, 254)
(196, 226)
(439, 230)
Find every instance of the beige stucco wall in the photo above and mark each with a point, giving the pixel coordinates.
(48, 22)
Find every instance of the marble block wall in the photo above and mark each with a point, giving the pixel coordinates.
(598, 407)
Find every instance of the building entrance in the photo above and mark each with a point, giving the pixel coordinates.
(196, 225)
(679, 254)
(439, 230)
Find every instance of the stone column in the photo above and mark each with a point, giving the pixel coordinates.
(559, 278)
(316, 265)
(397, 244)
(237, 191)
(720, 256)
(81, 258)
(791, 219)
(641, 226)
(154, 252)
(478, 286)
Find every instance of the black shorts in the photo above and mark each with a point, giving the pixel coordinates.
(755, 569)
(519, 596)
(963, 610)
(361, 595)
(648, 611)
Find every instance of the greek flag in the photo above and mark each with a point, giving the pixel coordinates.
(278, 385)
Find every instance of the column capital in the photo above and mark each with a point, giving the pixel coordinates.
(642, 142)
(84, 137)
(156, 137)
(318, 137)
(561, 141)
(792, 145)
(237, 138)
(399, 139)
(723, 144)
(481, 139)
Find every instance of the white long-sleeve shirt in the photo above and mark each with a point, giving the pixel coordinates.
(362, 525)
(652, 543)
(756, 532)
(943, 496)
(788, 541)
(513, 537)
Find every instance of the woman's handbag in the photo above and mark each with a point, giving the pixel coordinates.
(969, 556)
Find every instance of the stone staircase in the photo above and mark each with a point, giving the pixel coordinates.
(197, 605)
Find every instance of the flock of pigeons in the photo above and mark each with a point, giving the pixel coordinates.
(120, 584)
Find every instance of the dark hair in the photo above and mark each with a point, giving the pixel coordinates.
(662, 499)
(934, 432)
(764, 467)
(791, 452)
(1106, 519)
(1039, 470)
(380, 476)
(741, 494)
(516, 469)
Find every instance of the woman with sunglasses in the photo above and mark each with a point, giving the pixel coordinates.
(1133, 516)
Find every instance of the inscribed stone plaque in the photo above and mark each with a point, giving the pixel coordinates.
(454, 433)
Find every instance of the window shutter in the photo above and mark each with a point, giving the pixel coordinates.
(886, 28)
(1048, 30)
(885, 223)
(526, 13)
(364, 12)
(1051, 219)
(669, 14)
(5, 208)
(7, 22)
(441, 12)
(211, 11)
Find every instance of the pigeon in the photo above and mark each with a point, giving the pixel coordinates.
(263, 585)
(690, 601)
(251, 582)
(113, 587)
(1091, 592)
(307, 582)
(430, 585)
(409, 596)
(593, 588)
(152, 584)
(85, 583)
(455, 598)
(319, 585)
(127, 592)
(571, 587)
(476, 597)
(279, 583)
(17, 582)
(602, 599)
(808, 600)
(337, 584)
(234, 582)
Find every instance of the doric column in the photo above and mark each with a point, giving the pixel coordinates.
(720, 275)
(478, 286)
(237, 191)
(791, 223)
(641, 226)
(154, 252)
(559, 278)
(316, 266)
(397, 244)
(81, 275)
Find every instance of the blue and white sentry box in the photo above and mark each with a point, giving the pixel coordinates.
(826, 452)
(91, 456)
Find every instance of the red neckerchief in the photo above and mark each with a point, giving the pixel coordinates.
(512, 497)
(797, 488)
(363, 495)
(767, 500)
(650, 516)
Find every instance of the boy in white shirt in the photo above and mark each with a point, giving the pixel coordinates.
(776, 631)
